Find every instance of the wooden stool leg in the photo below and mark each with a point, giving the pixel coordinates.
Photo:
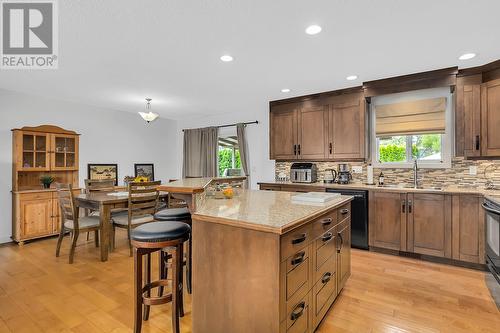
(96, 237)
(176, 262)
(138, 291)
(189, 265)
(161, 271)
(147, 274)
(180, 286)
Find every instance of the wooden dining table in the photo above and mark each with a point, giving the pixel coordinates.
(104, 203)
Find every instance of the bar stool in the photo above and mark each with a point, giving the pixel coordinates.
(149, 238)
(179, 215)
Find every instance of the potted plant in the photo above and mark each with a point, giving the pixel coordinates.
(46, 180)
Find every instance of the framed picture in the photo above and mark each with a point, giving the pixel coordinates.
(103, 171)
(145, 170)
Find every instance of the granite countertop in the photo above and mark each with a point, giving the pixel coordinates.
(263, 210)
(358, 186)
(195, 185)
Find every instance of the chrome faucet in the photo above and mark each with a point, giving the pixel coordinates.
(415, 174)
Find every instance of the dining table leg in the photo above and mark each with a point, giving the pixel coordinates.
(105, 217)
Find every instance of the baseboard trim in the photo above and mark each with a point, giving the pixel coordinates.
(5, 239)
(424, 257)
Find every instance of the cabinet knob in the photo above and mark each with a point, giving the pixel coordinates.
(326, 237)
(341, 242)
(344, 211)
(326, 277)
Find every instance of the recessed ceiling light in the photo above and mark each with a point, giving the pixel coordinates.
(313, 29)
(226, 58)
(467, 56)
(285, 90)
(352, 77)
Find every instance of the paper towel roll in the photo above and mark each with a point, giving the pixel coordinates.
(369, 174)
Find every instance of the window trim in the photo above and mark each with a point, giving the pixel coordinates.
(447, 143)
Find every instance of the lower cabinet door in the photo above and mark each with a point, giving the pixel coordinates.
(343, 255)
(36, 217)
(429, 224)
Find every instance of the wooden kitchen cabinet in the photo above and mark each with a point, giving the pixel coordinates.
(322, 128)
(283, 133)
(312, 132)
(468, 228)
(490, 118)
(387, 220)
(347, 130)
(35, 215)
(429, 224)
(344, 253)
(468, 111)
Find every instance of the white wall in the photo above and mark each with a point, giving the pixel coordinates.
(107, 136)
(261, 167)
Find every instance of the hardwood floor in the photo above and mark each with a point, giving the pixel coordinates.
(42, 293)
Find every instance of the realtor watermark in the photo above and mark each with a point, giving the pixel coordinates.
(29, 34)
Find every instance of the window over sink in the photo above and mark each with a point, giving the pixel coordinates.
(410, 126)
(229, 157)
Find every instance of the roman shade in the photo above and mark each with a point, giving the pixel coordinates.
(414, 117)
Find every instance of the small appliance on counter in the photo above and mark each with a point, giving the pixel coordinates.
(344, 174)
(329, 176)
(303, 173)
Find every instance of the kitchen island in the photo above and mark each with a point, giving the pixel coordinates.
(262, 263)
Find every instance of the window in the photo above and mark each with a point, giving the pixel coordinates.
(229, 157)
(406, 148)
(412, 126)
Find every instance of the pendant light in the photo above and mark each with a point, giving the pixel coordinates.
(149, 116)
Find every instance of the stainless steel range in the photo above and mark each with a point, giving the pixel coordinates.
(491, 206)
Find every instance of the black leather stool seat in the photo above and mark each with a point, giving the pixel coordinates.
(173, 214)
(160, 232)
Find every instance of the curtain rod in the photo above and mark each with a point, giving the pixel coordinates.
(230, 125)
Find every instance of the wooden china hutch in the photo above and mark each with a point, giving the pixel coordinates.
(40, 151)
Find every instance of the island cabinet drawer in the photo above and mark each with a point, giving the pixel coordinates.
(299, 318)
(325, 247)
(324, 223)
(323, 295)
(298, 272)
(328, 267)
(344, 212)
(295, 240)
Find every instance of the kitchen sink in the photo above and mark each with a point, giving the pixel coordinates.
(406, 186)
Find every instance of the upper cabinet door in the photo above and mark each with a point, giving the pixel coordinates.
(283, 133)
(64, 152)
(347, 127)
(312, 132)
(490, 118)
(33, 151)
(469, 100)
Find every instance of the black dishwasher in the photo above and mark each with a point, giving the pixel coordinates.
(359, 216)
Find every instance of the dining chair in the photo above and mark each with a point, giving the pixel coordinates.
(142, 205)
(99, 185)
(70, 221)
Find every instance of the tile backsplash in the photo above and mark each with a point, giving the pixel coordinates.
(457, 175)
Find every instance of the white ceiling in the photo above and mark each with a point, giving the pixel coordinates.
(114, 53)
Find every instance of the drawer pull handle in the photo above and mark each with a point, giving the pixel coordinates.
(326, 221)
(298, 311)
(326, 277)
(298, 258)
(344, 211)
(299, 239)
(326, 237)
(341, 242)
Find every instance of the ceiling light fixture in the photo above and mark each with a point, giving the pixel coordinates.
(313, 29)
(149, 116)
(285, 90)
(467, 56)
(226, 58)
(351, 77)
